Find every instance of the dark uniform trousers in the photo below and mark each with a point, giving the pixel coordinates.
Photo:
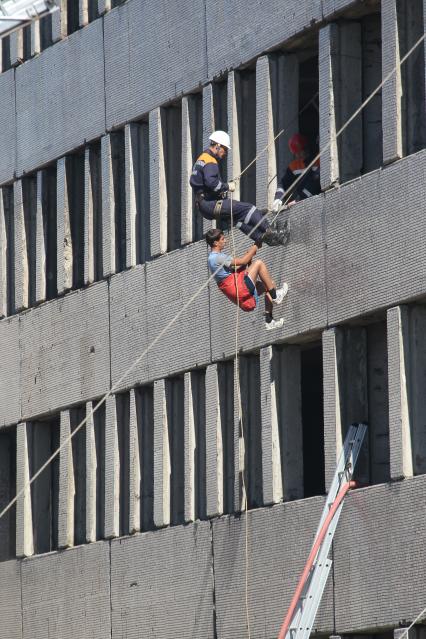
(245, 216)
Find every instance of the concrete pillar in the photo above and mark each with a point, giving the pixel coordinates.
(89, 257)
(112, 470)
(328, 41)
(266, 166)
(108, 208)
(91, 468)
(234, 159)
(208, 127)
(131, 134)
(40, 244)
(190, 449)
(3, 258)
(60, 22)
(64, 243)
(187, 231)
(20, 250)
(285, 97)
(135, 467)
(281, 411)
(66, 485)
(104, 6)
(83, 12)
(17, 47)
(24, 523)
(214, 445)
(158, 192)
(392, 89)
(345, 393)
(35, 35)
(162, 461)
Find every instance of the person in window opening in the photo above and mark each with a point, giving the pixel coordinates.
(308, 185)
(212, 201)
(252, 278)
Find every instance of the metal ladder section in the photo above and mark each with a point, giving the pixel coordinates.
(299, 624)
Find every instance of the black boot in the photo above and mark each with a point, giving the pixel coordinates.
(273, 237)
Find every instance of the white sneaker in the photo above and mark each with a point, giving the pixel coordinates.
(281, 293)
(270, 326)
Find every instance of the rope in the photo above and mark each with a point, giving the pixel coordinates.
(240, 415)
(195, 295)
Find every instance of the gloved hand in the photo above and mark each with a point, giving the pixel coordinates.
(276, 205)
(231, 186)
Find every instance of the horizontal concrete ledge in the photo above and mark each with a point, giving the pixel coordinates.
(379, 555)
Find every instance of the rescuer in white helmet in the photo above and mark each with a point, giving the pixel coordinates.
(211, 196)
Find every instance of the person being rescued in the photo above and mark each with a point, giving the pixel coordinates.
(212, 201)
(251, 278)
(308, 185)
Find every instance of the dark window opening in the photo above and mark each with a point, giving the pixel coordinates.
(93, 10)
(99, 428)
(145, 418)
(308, 102)
(6, 61)
(195, 108)
(251, 428)
(44, 440)
(246, 108)
(172, 140)
(26, 35)
(175, 423)
(73, 18)
(77, 415)
(46, 32)
(95, 169)
(75, 182)
(312, 421)
(29, 197)
(142, 194)
(123, 427)
(220, 115)
(118, 176)
(49, 208)
(198, 385)
(410, 29)
(226, 394)
(371, 47)
(7, 493)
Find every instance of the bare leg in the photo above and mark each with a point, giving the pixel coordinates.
(258, 269)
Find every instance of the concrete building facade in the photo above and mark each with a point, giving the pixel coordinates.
(136, 529)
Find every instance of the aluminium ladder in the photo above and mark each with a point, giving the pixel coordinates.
(307, 597)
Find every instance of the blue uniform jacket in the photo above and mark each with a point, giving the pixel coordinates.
(205, 177)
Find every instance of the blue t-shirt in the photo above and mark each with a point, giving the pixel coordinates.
(223, 261)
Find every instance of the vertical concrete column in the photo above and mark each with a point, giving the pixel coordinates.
(108, 208)
(234, 159)
(91, 468)
(208, 127)
(162, 461)
(83, 12)
(135, 467)
(35, 37)
(328, 46)
(190, 448)
(17, 47)
(112, 470)
(40, 244)
(158, 192)
(64, 237)
(345, 393)
(60, 22)
(131, 132)
(392, 89)
(24, 523)
(89, 257)
(271, 445)
(187, 231)
(214, 445)
(66, 485)
(266, 166)
(20, 250)
(401, 459)
(3, 259)
(104, 6)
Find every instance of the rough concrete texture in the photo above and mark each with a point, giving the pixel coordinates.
(67, 594)
(176, 565)
(64, 351)
(61, 88)
(7, 126)
(10, 371)
(10, 600)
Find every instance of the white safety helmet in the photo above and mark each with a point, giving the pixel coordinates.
(222, 138)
